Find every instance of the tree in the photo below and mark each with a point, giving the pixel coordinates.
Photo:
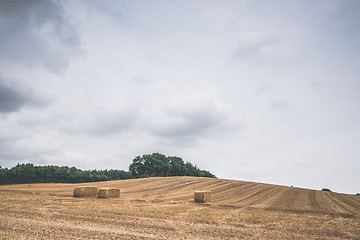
(4, 179)
(155, 164)
(137, 167)
(158, 165)
(28, 173)
(177, 166)
(22, 173)
(205, 173)
(192, 170)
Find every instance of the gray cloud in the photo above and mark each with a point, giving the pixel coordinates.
(16, 150)
(101, 122)
(191, 120)
(10, 151)
(256, 84)
(191, 124)
(109, 123)
(13, 97)
(10, 99)
(280, 105)
(254, 45)
(35, 32)
(343, 24)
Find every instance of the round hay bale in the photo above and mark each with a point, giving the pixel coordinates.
(85, 191)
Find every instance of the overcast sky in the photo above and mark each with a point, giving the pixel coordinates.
(256, 90)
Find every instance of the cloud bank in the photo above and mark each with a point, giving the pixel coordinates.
(251, 90)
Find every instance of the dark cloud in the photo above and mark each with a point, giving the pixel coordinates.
(13, 97)
(36, 32)
(10, 99)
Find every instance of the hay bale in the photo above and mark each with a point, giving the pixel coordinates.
(85, 191)
(109, 193)
(202, 196)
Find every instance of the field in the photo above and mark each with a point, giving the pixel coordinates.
(164, 208)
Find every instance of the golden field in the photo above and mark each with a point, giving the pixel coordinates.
(164, 208)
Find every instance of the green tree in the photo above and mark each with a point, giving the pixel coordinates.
(155, 164)
(192, 170)
(4, 179)
(177, 166)
(205, 173)
(158, 165)
(23, 173)
(137, 167)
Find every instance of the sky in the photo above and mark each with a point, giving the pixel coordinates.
(254, 90)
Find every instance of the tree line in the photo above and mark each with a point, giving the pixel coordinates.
(28, 173)
(154, 165)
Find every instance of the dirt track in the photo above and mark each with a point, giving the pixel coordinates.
(163, 208)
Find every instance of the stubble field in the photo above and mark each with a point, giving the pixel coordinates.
(163, 208)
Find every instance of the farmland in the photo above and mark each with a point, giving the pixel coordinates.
(164, 208)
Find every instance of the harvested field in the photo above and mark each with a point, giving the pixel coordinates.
(164, 208)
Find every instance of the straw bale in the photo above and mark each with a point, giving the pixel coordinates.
(85, 191)
(202, 196)
(109, 193)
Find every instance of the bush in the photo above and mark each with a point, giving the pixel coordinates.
(326, 190)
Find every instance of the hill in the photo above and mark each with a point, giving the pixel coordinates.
(163, 208)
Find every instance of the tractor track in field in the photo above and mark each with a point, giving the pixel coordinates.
(340, 203)
(313, 204)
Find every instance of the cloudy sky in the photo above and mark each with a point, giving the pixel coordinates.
(256, 90)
